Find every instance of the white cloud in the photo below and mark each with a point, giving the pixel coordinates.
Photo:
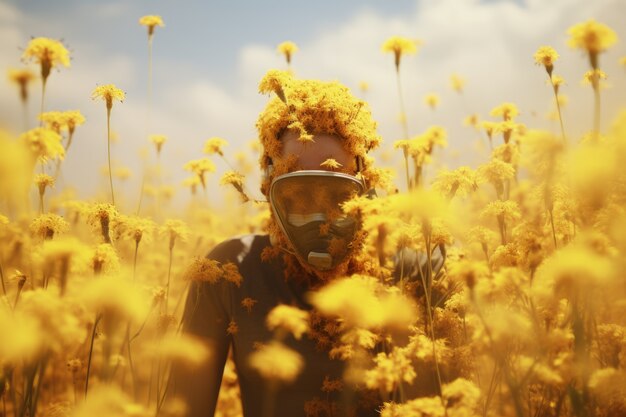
(489, 43)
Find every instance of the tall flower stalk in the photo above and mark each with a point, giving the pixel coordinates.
(48, 53)
(22, 77)
(108, 93)
(400, 46)
(593, 38)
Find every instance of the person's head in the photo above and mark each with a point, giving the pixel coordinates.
(315, 137)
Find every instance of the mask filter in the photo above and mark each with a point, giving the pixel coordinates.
(307, 206)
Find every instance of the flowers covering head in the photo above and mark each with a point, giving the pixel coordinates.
(312, 107)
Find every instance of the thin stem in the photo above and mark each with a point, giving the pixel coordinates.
(109, 152)
(169, 274)
(93, 336)
(553, 231)
(558, 108)
(25, 113)
(135, 259)
(406, 170)
(596, 118)
(427, 294)
(4, 288)
(405, 126)
(43, 94)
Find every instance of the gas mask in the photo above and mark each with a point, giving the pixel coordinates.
(307, 207)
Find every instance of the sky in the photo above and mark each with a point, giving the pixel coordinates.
(210, 56)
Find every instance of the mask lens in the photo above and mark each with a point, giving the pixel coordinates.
(307, 205)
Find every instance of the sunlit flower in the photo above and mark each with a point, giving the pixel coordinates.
(108, 93)
(331, 164)
(288, 318)
(49, 53)
(248, 303)
(48, 224)
(592, 37)
(151, 21)
(457, 83)
(287, 48)
(508, 111)
(43, 143)
(364, 85)
(400, 46)
(158, 141)
(175, 230)
(432, 100)
(22, 77)
(200, 167)
(214, 145)
(276, 362)
(546, 55)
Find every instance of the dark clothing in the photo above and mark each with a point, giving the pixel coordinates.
(211, 307)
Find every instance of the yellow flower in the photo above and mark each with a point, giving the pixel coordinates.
(48, 224)
(546, 55)
(457, 83)
(400, 46)
(52, 120)
(49, 53)
(361, 301)
(181, 349)
(460, 181)
(391, 370)
(22, 77)
(158, 141)
(214, 145)
(287, 48)
(42, 181)
(330, 163)
(151, 21)
(43, 143)
(276, 362)
(104, 259)
(101, 215)
(175, 229)
(200, 167)
(135, 228)
(72, 118)
(108, 93)
(594, 77)
(471, 120)
(203, 269)
(508, 111)
(289, 318)
(364, 86)
(275, 81)
(432, 100)
(236, 180)
(591, 36)
(509, 210)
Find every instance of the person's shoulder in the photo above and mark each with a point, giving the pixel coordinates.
(237, 248)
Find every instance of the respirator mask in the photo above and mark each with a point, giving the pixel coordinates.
(307, 207)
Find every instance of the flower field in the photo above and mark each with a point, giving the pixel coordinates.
(527, 316)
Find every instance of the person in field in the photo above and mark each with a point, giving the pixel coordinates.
(315, 140)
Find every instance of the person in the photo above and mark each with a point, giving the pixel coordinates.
(315, 140)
